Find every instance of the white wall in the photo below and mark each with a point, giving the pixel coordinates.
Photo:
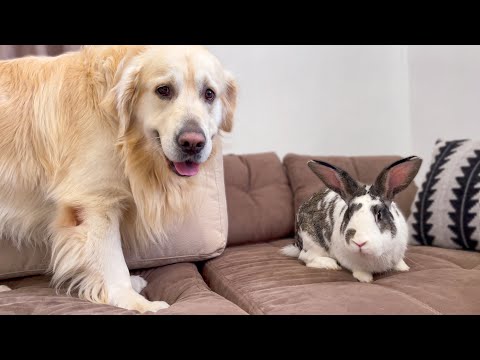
(444, 95)
(332, 100)
(353, 100)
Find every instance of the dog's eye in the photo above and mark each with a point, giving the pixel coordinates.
(379, 215)
(209, 95)
(164, 91)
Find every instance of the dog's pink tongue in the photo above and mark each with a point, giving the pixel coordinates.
(187, 168)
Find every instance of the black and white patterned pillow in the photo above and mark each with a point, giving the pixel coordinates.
(446, 209)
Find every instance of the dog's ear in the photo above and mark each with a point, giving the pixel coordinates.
(126, 93)
(229, 103)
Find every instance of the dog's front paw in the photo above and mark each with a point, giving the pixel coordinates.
(155, 306)
(363, 276)
(138, 283)
(129, 299)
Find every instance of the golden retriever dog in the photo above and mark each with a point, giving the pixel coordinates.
(99, 148)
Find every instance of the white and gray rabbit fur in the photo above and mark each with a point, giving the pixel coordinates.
(357, 226)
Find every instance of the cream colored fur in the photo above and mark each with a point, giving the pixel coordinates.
(79, 167)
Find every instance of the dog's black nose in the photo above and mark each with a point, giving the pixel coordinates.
(191, 139)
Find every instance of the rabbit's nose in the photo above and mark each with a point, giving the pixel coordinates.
(360, 245)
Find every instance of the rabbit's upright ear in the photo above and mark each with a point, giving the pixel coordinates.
(335, 179)
(396, 177)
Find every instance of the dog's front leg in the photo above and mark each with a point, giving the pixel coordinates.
(91, 256)
(117, 277)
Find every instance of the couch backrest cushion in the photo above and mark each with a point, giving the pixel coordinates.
(200, 237)
(259, 198)
(362, 168)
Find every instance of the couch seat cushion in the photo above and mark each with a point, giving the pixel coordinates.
(180, 285)
(262, 281)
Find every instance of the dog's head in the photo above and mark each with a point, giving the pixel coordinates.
(178, 98)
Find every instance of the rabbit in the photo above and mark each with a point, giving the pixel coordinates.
(355, 225)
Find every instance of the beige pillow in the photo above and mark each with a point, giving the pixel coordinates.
(201, 237)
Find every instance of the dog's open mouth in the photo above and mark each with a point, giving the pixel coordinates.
(185, 168)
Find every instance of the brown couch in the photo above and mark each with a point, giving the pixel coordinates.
(252, 277)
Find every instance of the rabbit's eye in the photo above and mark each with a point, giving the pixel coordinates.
(379, 215)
